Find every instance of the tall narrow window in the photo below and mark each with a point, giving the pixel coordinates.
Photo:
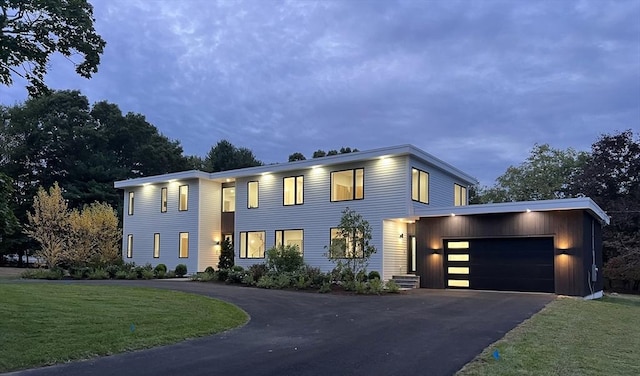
(459, 195)
(129, 246)
(131, 194)
(252, 194)
(347, 185)
(290, 237)
(183, 193)
(228, 199)
(156, 245)
(163, 200)
(183, 251)
(419, 186)
(252, 244)
(293, 190)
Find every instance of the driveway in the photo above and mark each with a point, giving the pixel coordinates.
(425, 332)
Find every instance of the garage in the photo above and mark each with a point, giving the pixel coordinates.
(504, 264)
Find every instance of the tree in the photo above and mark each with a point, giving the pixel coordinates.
(296, 157)
(8, 221)
(48, 225)
(332, 152)
(227, 255)
(33, 30)
(225, 156)
(94, 236)
(546, 174)
(351, 248)
(319, 153)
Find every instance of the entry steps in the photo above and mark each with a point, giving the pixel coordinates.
(407, 281)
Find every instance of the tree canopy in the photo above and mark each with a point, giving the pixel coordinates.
(33, 30)
(225, 156)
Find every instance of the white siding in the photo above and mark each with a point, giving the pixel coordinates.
(209, 229)
(147, 220)
(395, 248)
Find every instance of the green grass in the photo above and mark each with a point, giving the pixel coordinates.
(569, 337)
(42, 323)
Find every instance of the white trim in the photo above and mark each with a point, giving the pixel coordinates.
(596, 295)
(584, 203)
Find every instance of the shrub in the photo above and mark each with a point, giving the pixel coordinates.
(248, 279)
(226, 255)
(237, 268)
(160, 274)
(374, 275)
(222, 274)
(257, 271)
(54, 273)
(360, 287)
(302, 282)
(325, 288)
(283, 281)
(235, 275)
(121, 274)
(170, 274)
(315, 275)
(375, 286)
(132, 274)
(361, 276)
(98, 273)
(284, 258)
(181, 270)
(266, 282)
(148, 274)
(79, 272)
(209, 270)
(160, 268)
(112, 270)
(392, 286)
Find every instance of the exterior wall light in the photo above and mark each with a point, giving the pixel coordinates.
(401, 235)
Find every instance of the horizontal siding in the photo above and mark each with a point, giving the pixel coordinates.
(395, 248)
(210, 224)
(441, 183)
(147, 220)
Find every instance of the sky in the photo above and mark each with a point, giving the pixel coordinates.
(475, 83)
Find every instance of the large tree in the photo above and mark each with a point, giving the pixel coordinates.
(225, 156)
(33, 30)
(546, 174)
(8, 221)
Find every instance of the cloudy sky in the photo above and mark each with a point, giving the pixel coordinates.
(476, 83)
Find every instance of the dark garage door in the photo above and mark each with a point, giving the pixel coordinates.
(507, 264)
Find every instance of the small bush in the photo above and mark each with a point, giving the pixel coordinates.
(133, 274)
(181, 270)
(209, 270)
(374, 275)
(98, 273)
(160, 268)
(160, 274)
(112, 270)
(315, 275)
(235, 275)
(170, 274)
(283, 281)
(361, 276)
(302, 283)
(360, 287)
(392, 286)
(248, 279)
(222, 275)
(257, 271)
(325, 288)
(266, 282)
(375, 286)
(121, 274)
(284, 258)
(51, 274)
(237, 268)
(78, 272)
(148, 274)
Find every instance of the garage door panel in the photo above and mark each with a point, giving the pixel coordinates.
(515, 284)
(507, 271)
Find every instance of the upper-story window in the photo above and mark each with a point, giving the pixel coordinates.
(459, 195)
(131, 194)
(163, 200)
(294, 190)
(183, 198)
(228, 199)
(347, 185)
(252, 194)
(419, 186)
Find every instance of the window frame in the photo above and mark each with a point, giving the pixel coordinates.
(464, 197)
(156, 245)
(295, 190)
(129, 245)
(354, 184)
(420, 172)
(249, 183)
(186, 201)
(245, 234)
(234, 200)
(282, 233)
(131, 203)
(164, 198)
(180, 250)
(331, 238)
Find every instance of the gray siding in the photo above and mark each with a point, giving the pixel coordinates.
(441, 183)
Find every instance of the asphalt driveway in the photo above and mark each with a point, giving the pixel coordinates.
(424, 332)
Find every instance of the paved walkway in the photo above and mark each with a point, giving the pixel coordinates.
(424, 332)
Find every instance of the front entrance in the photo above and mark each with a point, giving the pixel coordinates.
(411, 254)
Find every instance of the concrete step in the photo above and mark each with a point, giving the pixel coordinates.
(409, 281)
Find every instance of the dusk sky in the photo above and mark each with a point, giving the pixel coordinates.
(475, 83)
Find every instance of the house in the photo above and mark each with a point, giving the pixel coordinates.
(408, 196)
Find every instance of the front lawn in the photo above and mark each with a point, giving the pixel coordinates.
(569, 337)
(44, 324)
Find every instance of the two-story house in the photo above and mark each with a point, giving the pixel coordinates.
(181, 218)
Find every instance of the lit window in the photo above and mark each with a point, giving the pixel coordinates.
(163, 200)
(344, 246)
(293, 190)
(130, 203)
(290, 237)
(252, 244)
(183, 193)
(129, 246)
(347, 185)
(156, 245)
(252, 194)
(458, 245)
(183, 252)
(228, 199)
(459, 195)
(419, 186)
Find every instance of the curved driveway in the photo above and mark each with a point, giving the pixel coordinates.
(425, 332)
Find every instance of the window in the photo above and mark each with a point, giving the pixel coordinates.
(290, 237)
(459, 195)
(293, 190)
(163, 200)
(252, 244)
(129, 246)
(183, 193)
(252, 194)
(130, 203)
(228, 199)
(183, 251)
(156, 245)
(419, 186)
(344, 247)
(347, 185)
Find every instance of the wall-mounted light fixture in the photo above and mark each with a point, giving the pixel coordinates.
(217, 242)
(401, 235)
(528, 210)
(435, 251)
